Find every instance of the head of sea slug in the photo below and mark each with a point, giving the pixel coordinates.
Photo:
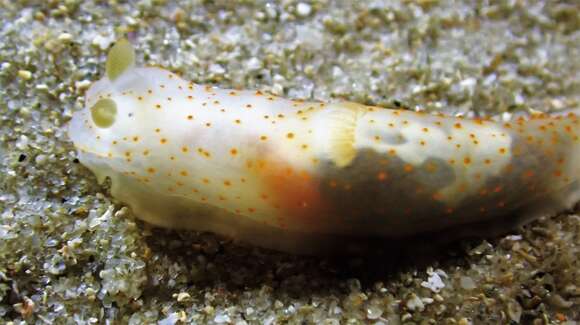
(114, 106)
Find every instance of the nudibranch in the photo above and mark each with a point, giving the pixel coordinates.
(304, 176)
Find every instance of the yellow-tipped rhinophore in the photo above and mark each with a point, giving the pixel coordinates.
(121, 57)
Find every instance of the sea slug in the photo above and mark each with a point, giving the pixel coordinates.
(302, 176)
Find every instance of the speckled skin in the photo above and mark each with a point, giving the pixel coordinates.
(294, 175)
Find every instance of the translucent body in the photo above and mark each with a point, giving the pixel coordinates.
(300, 176)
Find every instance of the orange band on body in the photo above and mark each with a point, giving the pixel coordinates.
(294, 193)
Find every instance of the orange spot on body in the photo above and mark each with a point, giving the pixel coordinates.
(431, 167)
(528, 174)
(382, 176)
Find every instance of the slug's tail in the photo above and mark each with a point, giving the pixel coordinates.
(560, 131)
(559, 134)
(546, 160)
(576, 154)
(571, 126)
(568, 122)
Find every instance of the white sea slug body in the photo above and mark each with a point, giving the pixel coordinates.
(301, 176)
